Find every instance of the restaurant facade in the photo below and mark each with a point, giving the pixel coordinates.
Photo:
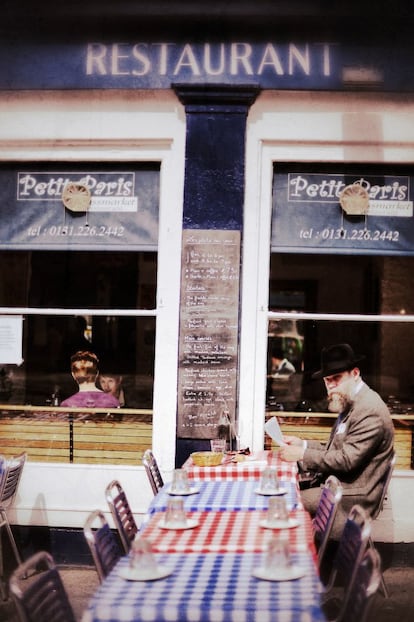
(183, 192)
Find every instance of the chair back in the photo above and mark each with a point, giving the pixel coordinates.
(152, 470)
(323, 520)
(365, 586)
(351, 548)
(121, 513)
(385, 482)
(38, 592)
(102, 543)
(10, 479)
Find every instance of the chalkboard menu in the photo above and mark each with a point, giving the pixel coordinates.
(208, 344)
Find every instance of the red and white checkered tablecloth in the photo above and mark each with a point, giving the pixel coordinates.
(227, 532)
(249, 469)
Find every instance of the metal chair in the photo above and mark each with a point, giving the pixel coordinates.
(38, 592)
(365, 586)
(351, 548)
(121, 513)
(385, 485)
(102, 543)
(10, 474)
(323, 520)
(152, 470)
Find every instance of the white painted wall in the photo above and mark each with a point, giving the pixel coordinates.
(63, 495)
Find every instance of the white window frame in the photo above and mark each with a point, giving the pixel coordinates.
(301, 127)
(109, 126)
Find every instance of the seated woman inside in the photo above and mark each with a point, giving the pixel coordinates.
(85, 370)
(112, 385)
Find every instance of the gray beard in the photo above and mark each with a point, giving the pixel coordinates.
(338, 402)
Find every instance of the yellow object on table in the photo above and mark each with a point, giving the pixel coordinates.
(207, 458)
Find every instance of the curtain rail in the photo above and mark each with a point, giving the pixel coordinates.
(348, 317)
(94, 312)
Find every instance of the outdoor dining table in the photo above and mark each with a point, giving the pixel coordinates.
(208, 571)
(248, 468)
(225, 495)
(228, 532)
(208, 587)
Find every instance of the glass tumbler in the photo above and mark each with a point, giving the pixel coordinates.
(180, 484)
(269, 481)
(141, 557)
(277, 555)
(175, 515)
(278, 511)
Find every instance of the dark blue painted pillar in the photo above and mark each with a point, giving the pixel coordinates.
(215, 154)
(214, 171)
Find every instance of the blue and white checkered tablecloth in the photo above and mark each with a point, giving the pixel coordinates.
(208, 588)
(225, 495)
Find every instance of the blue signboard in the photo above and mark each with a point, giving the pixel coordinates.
(58, 207)
(157, 65)
(312, 213)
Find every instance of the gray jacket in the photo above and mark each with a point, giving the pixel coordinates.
(358, 452)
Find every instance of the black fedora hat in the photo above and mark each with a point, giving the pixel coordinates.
(336, 359)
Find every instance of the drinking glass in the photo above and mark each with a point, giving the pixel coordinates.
(277, 555)
(180, 482)
(175, 515)
(141, 557)
(218, 445)
(277, 511)
(269, 481)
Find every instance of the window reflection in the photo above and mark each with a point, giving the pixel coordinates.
(335, 284)
(80, 280)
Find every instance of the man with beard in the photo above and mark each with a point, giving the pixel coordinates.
(360, 446)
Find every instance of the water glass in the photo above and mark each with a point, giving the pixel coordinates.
(269, 481)
(278, 511)
(218, 445)
(277, 555)
(141, 557)
(180, 484)
(175, 515)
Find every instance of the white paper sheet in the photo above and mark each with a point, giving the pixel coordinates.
(272, 428)
(11, 339)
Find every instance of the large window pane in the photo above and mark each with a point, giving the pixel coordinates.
(80, 280)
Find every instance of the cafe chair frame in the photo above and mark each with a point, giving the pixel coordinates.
(365, 586)
(38, 593)
(352, 545)
(323, 520)
(153, 472)
(10, 474)
(386, 480)
(121, 514)
(102, 543)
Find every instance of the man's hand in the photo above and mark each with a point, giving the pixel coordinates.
(292, 452)
(293, 440)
